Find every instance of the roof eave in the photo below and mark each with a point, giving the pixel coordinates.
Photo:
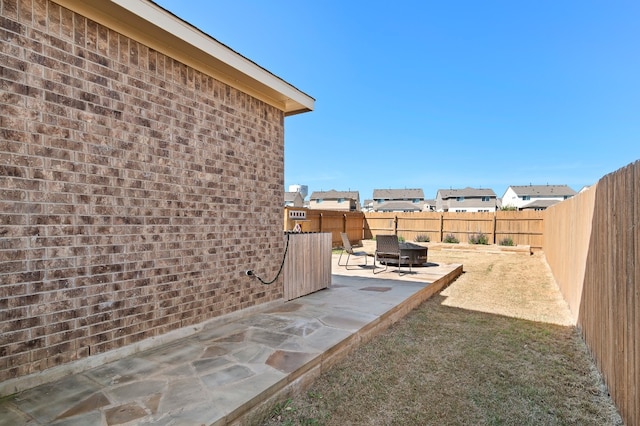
(155, 27)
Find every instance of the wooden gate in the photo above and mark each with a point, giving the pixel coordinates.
(307, 267)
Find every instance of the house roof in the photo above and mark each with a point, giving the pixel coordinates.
(466, 192)
(334, 195)
(159, 29)
(471, 203)
(397, 194)
(291, 196)
(539, 204)
(543, 190)
(399, 206)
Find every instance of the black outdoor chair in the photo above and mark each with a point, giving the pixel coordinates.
(388, 250)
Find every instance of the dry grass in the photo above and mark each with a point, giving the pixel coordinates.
(492, 349)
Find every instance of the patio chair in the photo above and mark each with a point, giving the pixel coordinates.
(346, 247)
(388, 250)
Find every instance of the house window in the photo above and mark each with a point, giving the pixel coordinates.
(319, 200)
(566, 197)
(485, 198)
(459, 198)
(526, 197)
(340, 200)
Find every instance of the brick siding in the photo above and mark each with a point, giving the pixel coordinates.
(134, 191)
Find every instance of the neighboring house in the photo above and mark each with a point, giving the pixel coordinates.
(539, 204)
(429, 205)
(293, 199)
(398, 206)
(143, 164)
(398, 200)
(335, 200)
(535, 197)
(367, 205)
(466, 200)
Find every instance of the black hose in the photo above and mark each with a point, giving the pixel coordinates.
(284, 256)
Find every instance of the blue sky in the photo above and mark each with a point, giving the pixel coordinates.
(444, 94)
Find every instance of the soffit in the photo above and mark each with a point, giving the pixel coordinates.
(155, 27)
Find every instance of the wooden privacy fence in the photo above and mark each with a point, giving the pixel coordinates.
(591, 245)
(523, 227)
(331, 221)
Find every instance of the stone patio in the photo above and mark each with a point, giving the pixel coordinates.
(230, 372)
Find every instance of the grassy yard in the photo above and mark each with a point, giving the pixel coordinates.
(450, 365)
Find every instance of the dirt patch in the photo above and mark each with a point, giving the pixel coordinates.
(506, 284)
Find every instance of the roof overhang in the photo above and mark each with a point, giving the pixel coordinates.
(157, 28)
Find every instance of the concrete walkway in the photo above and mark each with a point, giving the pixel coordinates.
(231, 372)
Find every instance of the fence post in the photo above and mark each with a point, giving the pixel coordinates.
(441, 227)
(286, 219)
(395, 225)
(320, 220)
(495, 226)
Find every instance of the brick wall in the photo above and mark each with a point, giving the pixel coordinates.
(134, 191)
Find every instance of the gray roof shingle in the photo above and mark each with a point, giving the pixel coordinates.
(334, 195)
(398, 194)
(543, 190)
(466, 192)
(399, 206)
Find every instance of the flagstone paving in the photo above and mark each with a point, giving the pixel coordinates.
(220, 374)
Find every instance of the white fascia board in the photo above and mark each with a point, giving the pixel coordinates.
(150, 24)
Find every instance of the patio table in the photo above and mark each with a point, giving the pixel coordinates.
(417, 254)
